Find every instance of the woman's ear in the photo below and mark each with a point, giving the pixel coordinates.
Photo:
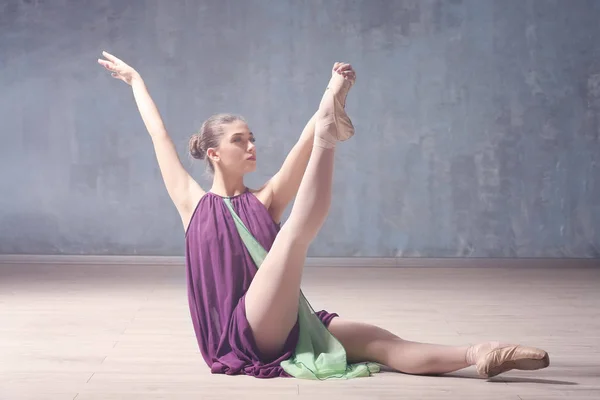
(212, 154)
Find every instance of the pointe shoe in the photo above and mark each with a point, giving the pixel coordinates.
(332, 108)
(505, 358)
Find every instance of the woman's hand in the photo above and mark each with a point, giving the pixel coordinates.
(118, 68)
(345, 70)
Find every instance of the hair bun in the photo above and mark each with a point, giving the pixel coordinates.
(195, 149)
(197, 153)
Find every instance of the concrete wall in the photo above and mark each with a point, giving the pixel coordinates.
(477, 121)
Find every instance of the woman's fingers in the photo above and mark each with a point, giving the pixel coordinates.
(345, 67)
(110, 57)
(345, 70)
(109, 66)
(106, 64)
(342, 68)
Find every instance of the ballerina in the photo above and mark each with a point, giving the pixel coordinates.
(246, 316)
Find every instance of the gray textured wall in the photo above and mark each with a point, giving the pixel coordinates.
(477, 121)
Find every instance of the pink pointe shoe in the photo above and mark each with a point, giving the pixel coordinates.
(334, 124)
(507, 357)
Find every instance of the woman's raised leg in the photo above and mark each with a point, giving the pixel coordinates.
(273, 296)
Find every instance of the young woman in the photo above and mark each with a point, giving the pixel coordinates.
(246, 318)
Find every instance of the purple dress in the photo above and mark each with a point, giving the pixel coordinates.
(219, 272)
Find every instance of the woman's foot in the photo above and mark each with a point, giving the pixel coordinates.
(333, 124)
(494, 358)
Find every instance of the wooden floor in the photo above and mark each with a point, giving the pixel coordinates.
(114, 332)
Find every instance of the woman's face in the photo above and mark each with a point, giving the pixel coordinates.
(236, 153)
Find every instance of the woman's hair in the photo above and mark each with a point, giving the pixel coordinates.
(210, 135)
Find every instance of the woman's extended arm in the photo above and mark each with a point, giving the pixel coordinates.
(182, 188)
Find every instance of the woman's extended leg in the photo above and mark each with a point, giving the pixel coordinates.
(364, 342)
(272, 299)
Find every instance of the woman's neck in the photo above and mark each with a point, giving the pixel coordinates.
(227, 186)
